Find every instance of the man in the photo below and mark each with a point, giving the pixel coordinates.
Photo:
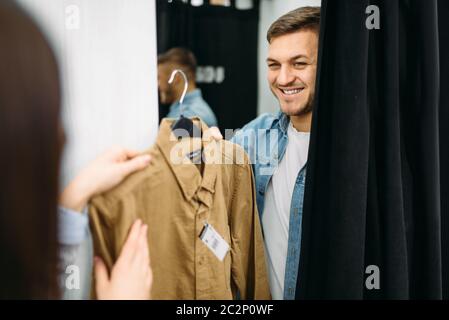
(280, 172)
(193, 104)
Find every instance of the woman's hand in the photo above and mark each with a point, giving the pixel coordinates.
(102, 174)
(214, 133)
(131, 276)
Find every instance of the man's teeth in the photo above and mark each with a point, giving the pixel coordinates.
(293, 91)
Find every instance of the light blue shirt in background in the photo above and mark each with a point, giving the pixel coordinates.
(194, 106)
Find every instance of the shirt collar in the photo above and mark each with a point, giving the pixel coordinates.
(195, 94)
(188, 176)
(283, 120)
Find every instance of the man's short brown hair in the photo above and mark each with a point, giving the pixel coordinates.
(182, 57)
(299, 19)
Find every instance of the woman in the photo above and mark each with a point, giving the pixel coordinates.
(131, 276)
(31, 142)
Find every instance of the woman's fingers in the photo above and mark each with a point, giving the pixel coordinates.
(135, 164)
(101, 275)
(145, 249)
(215, 133)
(146, 252)
(131, 153)
(131, 244)
(141, 256)
(143, 259)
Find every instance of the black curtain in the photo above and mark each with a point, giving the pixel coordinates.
(224, 40)
(377, 180)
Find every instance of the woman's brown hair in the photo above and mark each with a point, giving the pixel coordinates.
(30, 149)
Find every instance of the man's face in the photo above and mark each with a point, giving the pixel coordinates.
(292, 61)
(167, 92)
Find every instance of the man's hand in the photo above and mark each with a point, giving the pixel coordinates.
(102, 174)
(214, 133)
(131, 277)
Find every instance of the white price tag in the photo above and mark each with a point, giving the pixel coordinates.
(214, 241)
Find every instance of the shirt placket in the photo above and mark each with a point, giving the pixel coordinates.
(203, 279)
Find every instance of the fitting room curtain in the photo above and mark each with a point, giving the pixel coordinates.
(377, 181)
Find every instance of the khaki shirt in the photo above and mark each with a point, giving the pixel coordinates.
(175, 200)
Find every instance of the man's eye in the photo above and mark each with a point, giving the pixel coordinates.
(300, 64)
(273, 65)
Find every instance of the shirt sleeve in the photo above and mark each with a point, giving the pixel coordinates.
(75, 254)
(73, 226)
(249, 272)
(102, 233)
(76, 266)
(102, 237)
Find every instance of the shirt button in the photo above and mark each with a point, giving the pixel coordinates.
(261, 192)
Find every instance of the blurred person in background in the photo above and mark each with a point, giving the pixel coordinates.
(193, 104)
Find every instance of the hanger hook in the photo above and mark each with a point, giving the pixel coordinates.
(186, 83)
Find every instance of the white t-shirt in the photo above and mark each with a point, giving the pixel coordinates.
(276, 213)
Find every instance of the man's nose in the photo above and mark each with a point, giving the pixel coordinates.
(286, 76)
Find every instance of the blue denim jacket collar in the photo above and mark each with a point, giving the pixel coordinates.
(265, 140)
(284, 121)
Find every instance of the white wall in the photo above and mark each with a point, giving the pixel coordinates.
(270, 10)
(107, 55)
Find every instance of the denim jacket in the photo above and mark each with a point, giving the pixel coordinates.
(265, 140)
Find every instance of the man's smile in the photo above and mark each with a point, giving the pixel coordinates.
(290, 92)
